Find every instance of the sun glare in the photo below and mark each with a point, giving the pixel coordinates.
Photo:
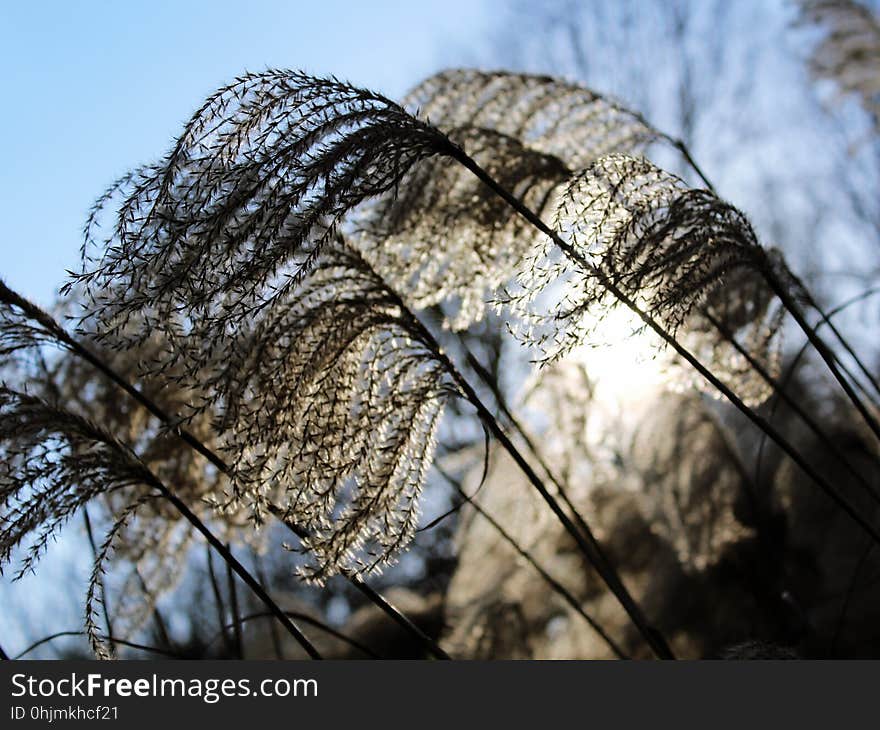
(622, 359)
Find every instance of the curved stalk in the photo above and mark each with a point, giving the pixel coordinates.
(94, 546)
(797, 358)
(790, 305)
(586, 542)
(822, 348)
(111, 639)
(73, 345)
(685, 354)
(846, 346)
(584, 537)
(805, 417)
(387, 607)
(306, 619)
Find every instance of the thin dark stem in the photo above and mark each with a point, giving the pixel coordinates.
(61, 335)
(236, 615)
(239, 569)
(485, 376)
(527, 556)
(110, 639)
(796, 360)
(387, 607)
(53, 327)
(808, 420)
(158, 620)
(218, 602)
(854, 380)
(754, 417)
(94, 545)
(533, 448)
(826, 319)
(306, 619)
(585, 539)
(685, 152)
(840, 338)
(273, 627)
(787, 301)
(400, 618)
(824, 351)
(761, 423)
(504, 408)
(781, 291)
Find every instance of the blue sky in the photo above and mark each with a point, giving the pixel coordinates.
(94, 88)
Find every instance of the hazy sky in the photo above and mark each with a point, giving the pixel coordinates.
(94, 88)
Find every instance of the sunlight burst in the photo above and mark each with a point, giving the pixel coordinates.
(623, 359)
